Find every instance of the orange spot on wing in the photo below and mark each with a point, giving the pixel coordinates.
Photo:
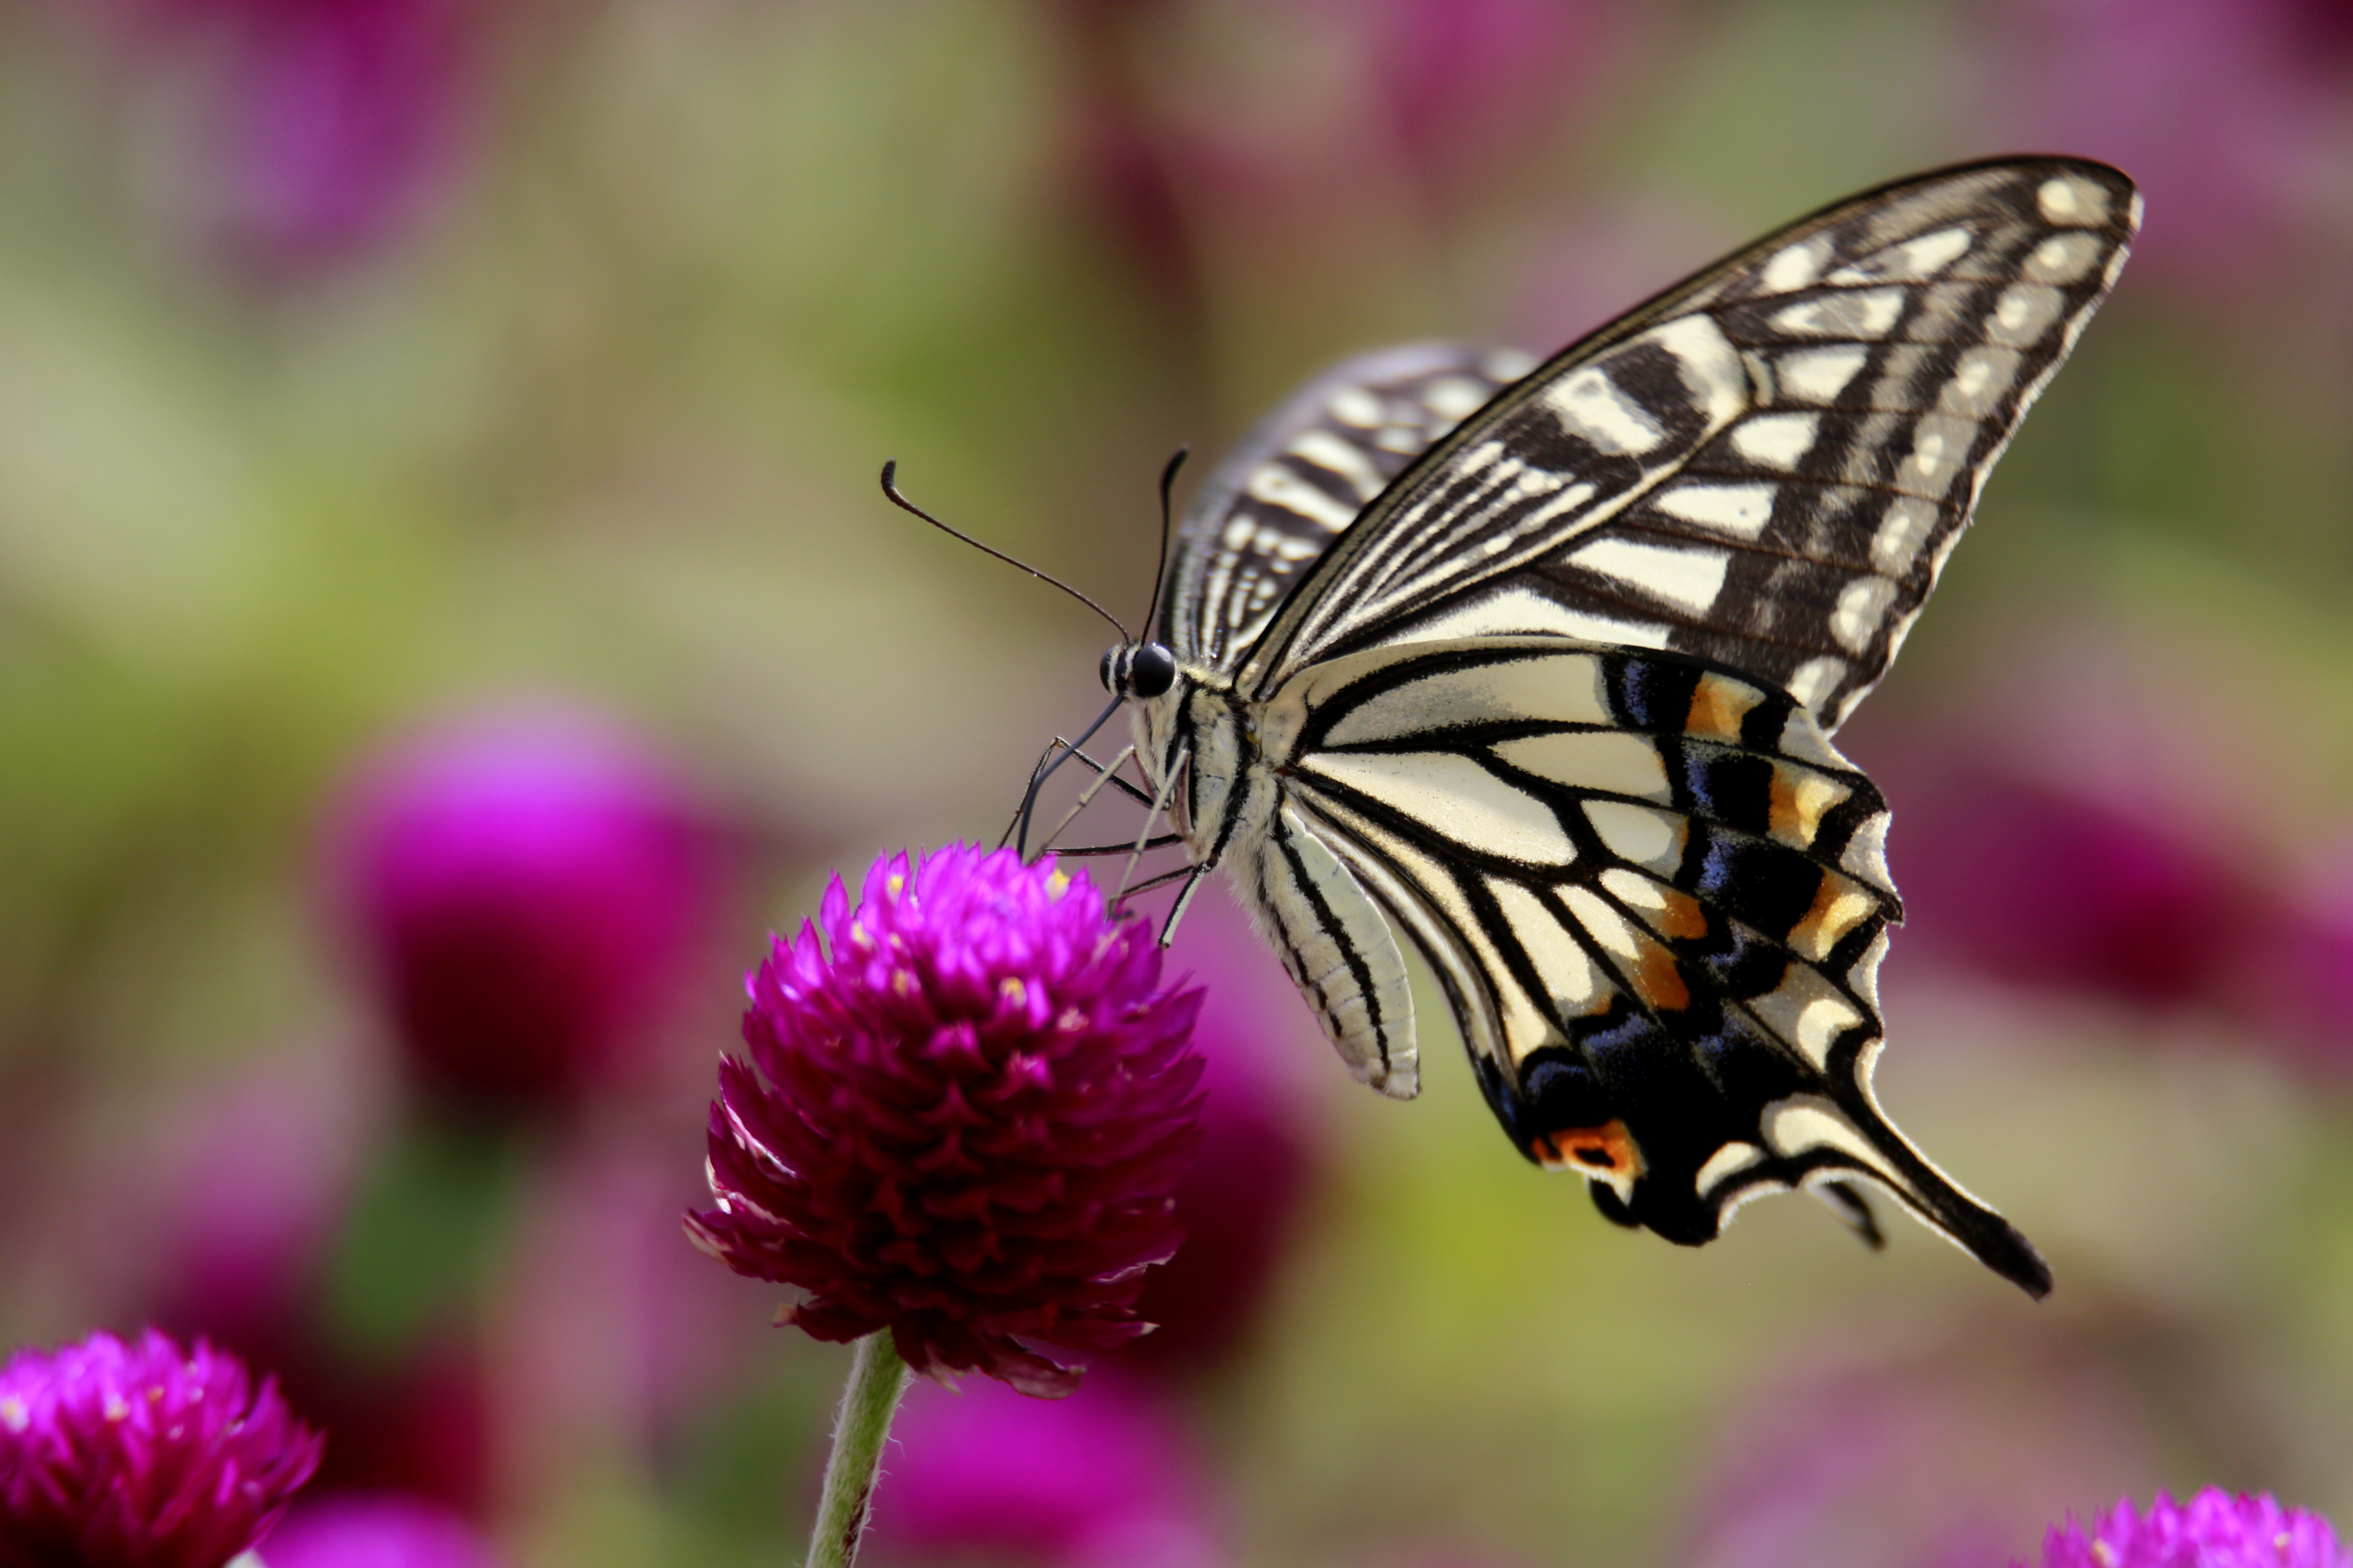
(1608, 1151)
(1659, 981)
(1682, 916)
(1717, 707)
(1799, 798)
(1837, 907)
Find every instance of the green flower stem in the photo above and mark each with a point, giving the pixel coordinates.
(877, 1378)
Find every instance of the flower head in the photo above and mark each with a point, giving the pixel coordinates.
(976, 1109)
(375, 1531)
(2213, 1530)
(523, 894)
(140, 1455)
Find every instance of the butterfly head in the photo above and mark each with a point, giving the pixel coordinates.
(1138, 669)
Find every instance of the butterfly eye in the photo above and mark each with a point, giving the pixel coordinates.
(1153, 671)
(1105, 674)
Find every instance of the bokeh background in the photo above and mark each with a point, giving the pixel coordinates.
(446, 617)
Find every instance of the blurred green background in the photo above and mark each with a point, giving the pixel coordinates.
(367, 364)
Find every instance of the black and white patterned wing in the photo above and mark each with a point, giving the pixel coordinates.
(1657, 898)
(1297, 481)
(1766, 465)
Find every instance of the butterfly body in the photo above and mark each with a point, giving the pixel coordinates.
(1539, 664)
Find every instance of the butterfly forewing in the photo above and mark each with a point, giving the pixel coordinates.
(1299, 479)
(1766, 465)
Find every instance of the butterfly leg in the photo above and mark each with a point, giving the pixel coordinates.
(1174, 768)
(1192, 875)
(1087, 796)
(1058, 744)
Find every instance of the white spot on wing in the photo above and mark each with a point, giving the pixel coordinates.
(1344, 458)
(1863, 313)
(2077, 203)
(1609, 759)
(1796, 266)
(1690, 577)
(1278, 486)
(1525, 611)
(1636, 832)
(1982, 378)
(1561, 689)
(1808, 1121)
(2063, 259)
(1742, 509)
(1728, 1161)
(2024, 314)
(1453, 397)
(1812, 681)
(1454, 797)
(1902, 531)
(1355, 406)
(1608, 928)
(1819, 376)
(1590, 405)
(1776, 440)
(1565, 968)
(1861, 604)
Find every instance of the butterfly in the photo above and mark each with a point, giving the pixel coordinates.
(1538, 665)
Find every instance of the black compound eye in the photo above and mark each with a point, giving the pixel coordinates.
(1153, 671)
(1110, 654)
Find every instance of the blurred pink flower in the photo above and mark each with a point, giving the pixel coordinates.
(1102, 1480)
(332, 120)
(523, 896)
(2212, 1530)
(1470, 88)
(1944, 1459)
(2232, 114)
(1240, 1201)
(374, 1530)
(2078, 886)
(2056, 885)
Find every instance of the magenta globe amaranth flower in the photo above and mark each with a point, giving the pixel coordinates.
(979, 1102)
(142, 1455)
(375, 1531)
(524, 891)
(2213, 1530)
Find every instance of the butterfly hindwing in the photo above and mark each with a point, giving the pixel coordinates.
(1658, 899)
(1766, 465)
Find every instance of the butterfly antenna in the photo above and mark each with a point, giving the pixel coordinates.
(1160, 567)
(891, 488)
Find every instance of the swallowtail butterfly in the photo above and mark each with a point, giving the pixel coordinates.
(1538, 664)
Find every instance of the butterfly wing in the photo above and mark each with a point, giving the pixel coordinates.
(1766, 465)
(1300, 479)
(1657, 898)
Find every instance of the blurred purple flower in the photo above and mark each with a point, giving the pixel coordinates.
(374, 1530)
(2214, 1530)
(1940, 1460)
(525, 896)
(2054, 886)
(336, 119)
(140, 1455)
(1104, 1480)
(982, 1106)
(2230, 113)
(1240, 1204)
(1473, 84)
